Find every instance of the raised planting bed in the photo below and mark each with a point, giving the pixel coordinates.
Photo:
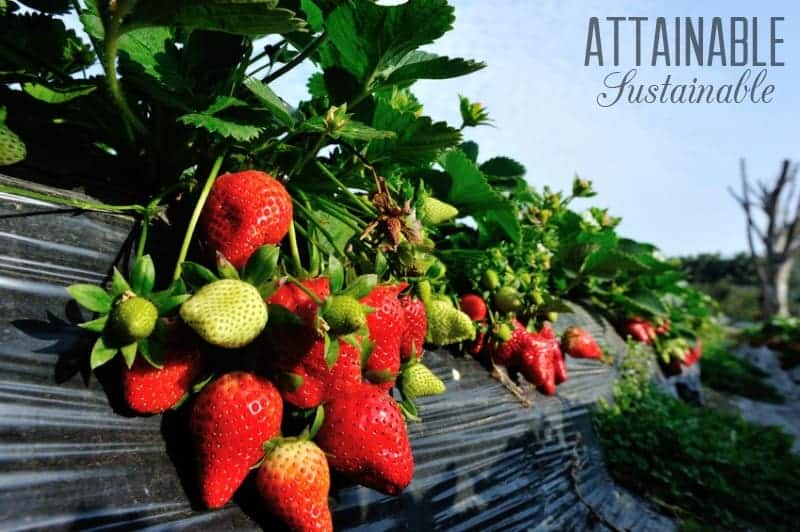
(69, 461)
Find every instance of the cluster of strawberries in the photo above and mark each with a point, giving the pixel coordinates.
(243, 351)
(676, 353)
(537, 356)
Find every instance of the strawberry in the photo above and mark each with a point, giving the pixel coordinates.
(509, 344)
(365, 438)
(244, 211)
(416, 327)
(294, 482)
(474, 306)
(386, 325)
(231, 418)
(477, 348)
(343, 314)
(150, 390)
(536, 363)
(419, 381)
(131, 319)
(226, 313)
(559, 365)
(693, 354)
(12, 149)
(640, 329)
(578, 343)
(295, 300)
(507, 299)
(448, 325)
(663, 328)
(434, 211)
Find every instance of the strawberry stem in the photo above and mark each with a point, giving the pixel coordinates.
(198, 208)
(69, 202)
(305, 290)
(298, 265)
(362, 204)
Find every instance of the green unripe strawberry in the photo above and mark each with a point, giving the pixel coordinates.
(226, 313)
(552, 317)
(344, 314)
(434, 211)
(419, 381)
(12, 149)
(491, 280)
(448, 325)
(507, 299)
(131, 319)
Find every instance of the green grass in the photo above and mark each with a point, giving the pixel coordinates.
(707, 467)
(726, 373)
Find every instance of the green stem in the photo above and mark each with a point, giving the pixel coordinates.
(310, 217)
(142, 237)
(305, 290)
(150, 209)
(298, 265)
(308, 156)
(67, 202)
(362, 203)
(299, 58)
(198, 208)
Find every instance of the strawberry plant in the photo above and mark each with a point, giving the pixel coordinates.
(313, 248)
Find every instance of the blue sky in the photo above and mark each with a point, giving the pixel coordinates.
(664, 168)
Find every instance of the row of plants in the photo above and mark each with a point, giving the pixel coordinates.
(291, 262)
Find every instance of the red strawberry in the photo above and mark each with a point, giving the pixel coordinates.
(150, 390)
(478, 347)
(473, 306)
(294, 482)
(507, 352)
(536, 363)
(416, 327)
(663, 328)
(693, 354)
(640, 329)
(385, 327)
(559, 366)
(579, 343)
(365, 438)
(291, 297)
(231, 418)
(244, 211)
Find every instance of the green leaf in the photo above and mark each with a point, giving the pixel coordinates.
(143, 276)
(339, 232)
(418, 139)
(280, 316)
(101, 353)
(56, 95)
(369, 39)
(241, 126)
(91, 297)
(196, 275)
(279, 109)
(503, 172)
(240, 17)
(314, 15)
(129, 353)
(349, 130)
(331, 351)
(319, 418)
(423, 65)
(645, 303)
(611, 263)
(335, 274)
(225, 268)
(118, 283)
(96, 325)
(361, 286)
(262, 265)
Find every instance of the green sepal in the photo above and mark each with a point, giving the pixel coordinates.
(166, 303)
(409, 409)
(118, 284)
(361, 286)
(101, 353)
(143, 276)
(379, 376)
(96, 325)
(199, 385)
(91, 297)
(335, 274)
(129, 353)
(381, 264)
(179, 403)
(196, 275)
(281, 316)
(319, 418)
(152, 352)
(225, 268)
(261, 266)
(289, 381)
(331, 351)
(367, 347)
